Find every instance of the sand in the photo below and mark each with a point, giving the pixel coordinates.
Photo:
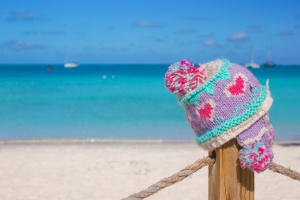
(114, 171)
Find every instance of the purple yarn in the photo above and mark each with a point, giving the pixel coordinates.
(226, 105)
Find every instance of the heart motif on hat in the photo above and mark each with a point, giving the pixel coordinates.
(206, 111)
(238, 87)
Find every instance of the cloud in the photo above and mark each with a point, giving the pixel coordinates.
(159, 40)
(211, 43)
(187, 31)
(124, 48)
(195, 18)
(238, 37)
(24, 16)
(254, 29)
(207, 35)
(285, 33)
(147, 24)
(43, 33)
(297, 26)
(16, 45)
(111, 28)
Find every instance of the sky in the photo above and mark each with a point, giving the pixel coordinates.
(149, 31)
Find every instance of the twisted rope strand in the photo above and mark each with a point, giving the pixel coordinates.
(190, 169)
(182, 174)
(284, 171)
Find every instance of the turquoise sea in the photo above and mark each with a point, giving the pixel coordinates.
(118, 102)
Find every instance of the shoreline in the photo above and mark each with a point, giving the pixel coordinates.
(98, 141)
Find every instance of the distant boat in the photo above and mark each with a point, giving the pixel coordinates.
(49, 68)
(71, 64)
(269, 63)
(252, 64)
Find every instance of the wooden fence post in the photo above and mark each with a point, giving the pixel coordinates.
(227, 180)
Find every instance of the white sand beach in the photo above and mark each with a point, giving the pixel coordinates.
(114, 171)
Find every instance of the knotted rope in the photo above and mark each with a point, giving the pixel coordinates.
(179, 176)
(190, 169)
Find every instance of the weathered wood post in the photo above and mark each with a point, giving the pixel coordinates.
(227, 180)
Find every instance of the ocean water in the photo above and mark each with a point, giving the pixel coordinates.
(118, 102)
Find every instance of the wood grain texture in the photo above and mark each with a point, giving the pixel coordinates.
(227, 180)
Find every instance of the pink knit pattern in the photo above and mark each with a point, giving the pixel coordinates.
(182, 77)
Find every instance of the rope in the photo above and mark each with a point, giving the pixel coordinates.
(182, 174)
(190, 169)
(284, 171)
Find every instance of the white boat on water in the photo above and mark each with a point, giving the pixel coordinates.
(252, 64)
(71, 65)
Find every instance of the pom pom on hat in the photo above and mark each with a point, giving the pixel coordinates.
(182, 77)
(256, 156)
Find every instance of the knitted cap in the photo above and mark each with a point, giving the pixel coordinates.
(225, 101)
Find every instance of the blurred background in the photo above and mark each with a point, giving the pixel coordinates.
(95, 69)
